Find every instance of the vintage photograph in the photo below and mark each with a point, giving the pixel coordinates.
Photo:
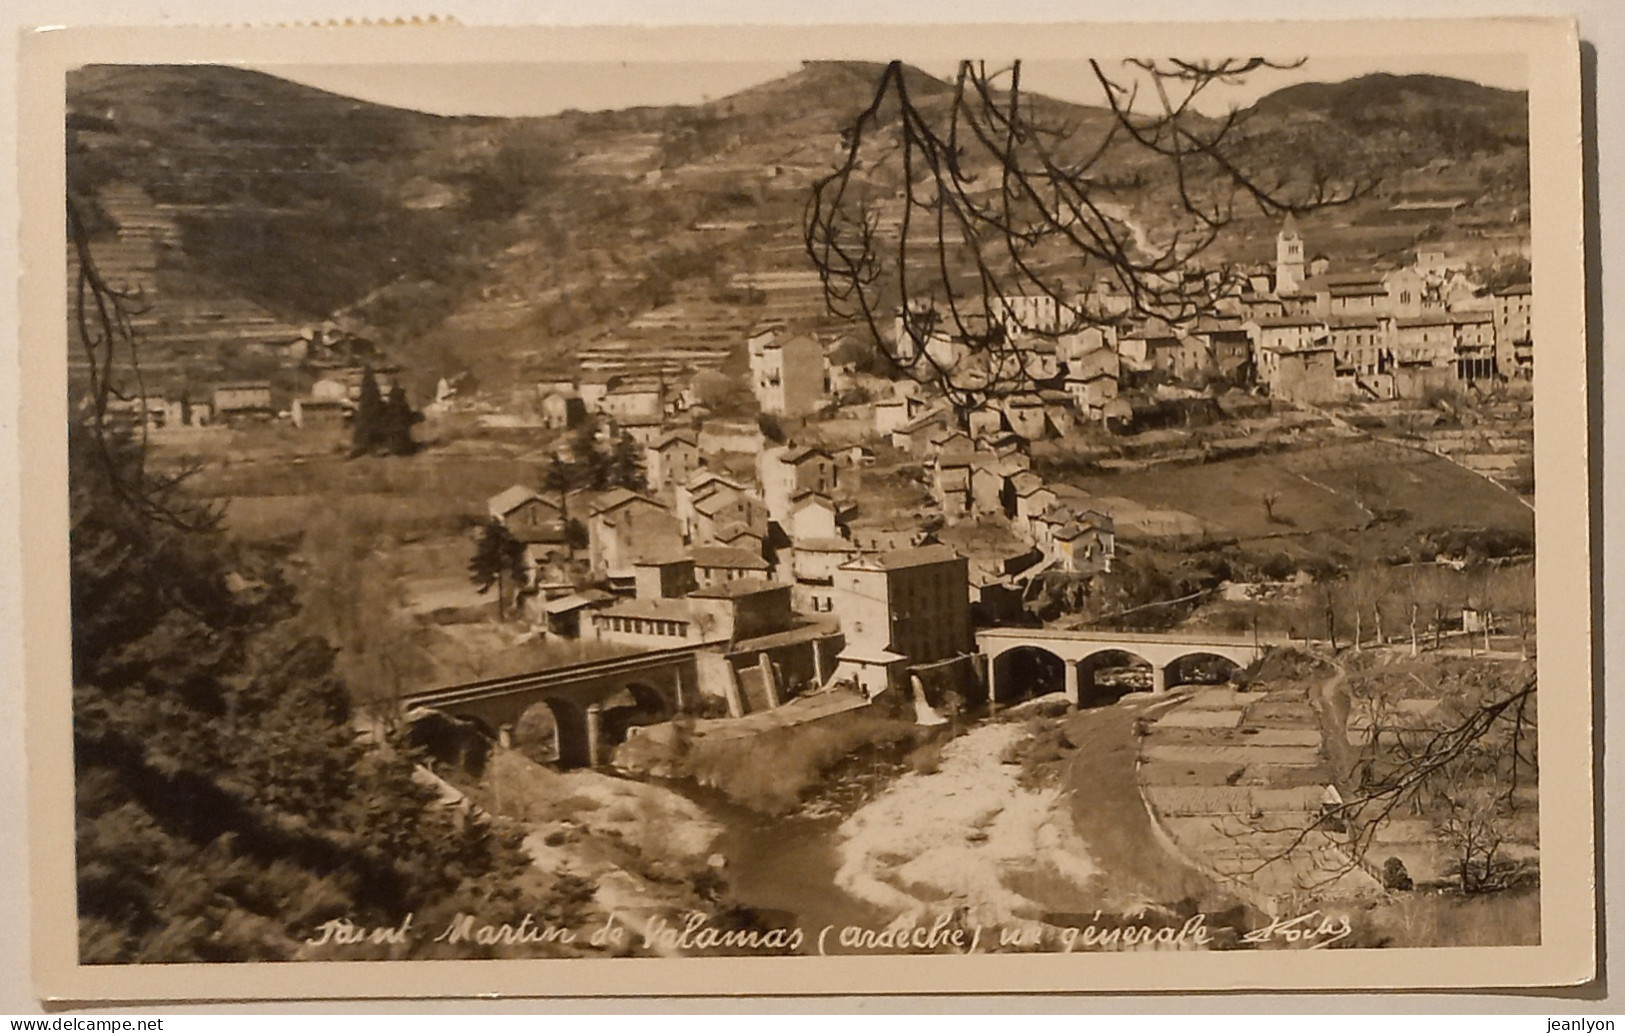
(793, 506)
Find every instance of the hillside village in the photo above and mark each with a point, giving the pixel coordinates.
(1336, 453)
(772, 551)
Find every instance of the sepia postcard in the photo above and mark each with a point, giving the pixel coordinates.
(838, 510)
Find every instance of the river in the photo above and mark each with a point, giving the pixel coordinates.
(783, 864)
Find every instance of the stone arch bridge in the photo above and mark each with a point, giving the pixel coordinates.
(659, 682)
(1082, 652)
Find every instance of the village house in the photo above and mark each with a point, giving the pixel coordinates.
(319, 414)
(719, 564)
(785, 470)
(664, 577)
(787, 373)
(249, 399)
(746, 607)
(813, 514)
(1228, 345)
(742, 536)
(1514, 331)
(634, 403)
(950, 488)
(698, 484)
(1359, 344)
(719, 505)
(1085, 544)
(563, 616)
(948, 441)
(890, 414)
(910, 438)
(563, 410)
(622, 525)
(1025, 415)
(1091, 391)
(1032, 498)
(990, 491)
(815, 563)
(658, 624)
(901, 608)
(673, 458)
(1475, 346)
(742, 436)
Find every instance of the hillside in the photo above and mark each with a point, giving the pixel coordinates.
(250, 208)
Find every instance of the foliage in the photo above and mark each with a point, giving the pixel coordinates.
(383, 424)
(498, 556)
(993, 196)
(225, 805)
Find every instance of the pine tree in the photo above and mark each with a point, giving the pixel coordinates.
(497, 557)
(369, 415)
(398, 419)
(626, 465)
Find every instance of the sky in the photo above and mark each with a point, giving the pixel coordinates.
(546, 88)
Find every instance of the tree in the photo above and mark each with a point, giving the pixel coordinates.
(944, 206)
(396, 422)
(368, 426)
(498, 555)
(626, 465)
(224, 805)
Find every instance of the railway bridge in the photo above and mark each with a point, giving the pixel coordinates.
(592, 703)
(1020, 658)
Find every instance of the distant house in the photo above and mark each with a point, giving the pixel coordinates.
(784, 471)
(718, 564)
(814, 562)
(788, 374)
(672, 459)
(1033, 497)
(635, 403)
(1513, 328)
(984, 422)
(742, 436)
(643, 430)
(741, 536)
(1086, 544)
(1025, 414)
(563, 615)
(717, 506)
(622, 525)
(893, 413)
(951, 487)
(249, 399)
(812, 515)
(911, 436)
(664, 577)
(658, 624)
(563, 411)
(1091, 391)
(319, 414)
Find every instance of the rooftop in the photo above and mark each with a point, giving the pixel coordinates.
(739, 588)
(507, 500)
(727, 556)
(902, 559)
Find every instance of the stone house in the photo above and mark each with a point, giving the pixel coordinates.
(673, 458)
(623, 525)
(786, 470)
(719, 564)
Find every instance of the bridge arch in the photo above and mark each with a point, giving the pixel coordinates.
(453, 740)
(1106, 675)
(1024, 671)
(634, 704)
(1200, 667)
